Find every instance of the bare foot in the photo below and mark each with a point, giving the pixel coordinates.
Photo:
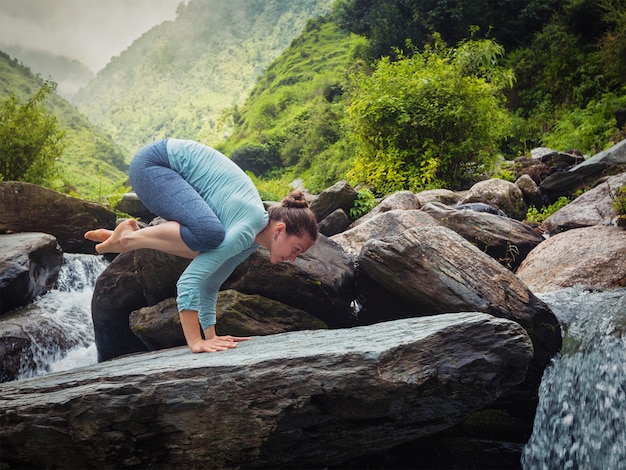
(114, 242)
(98, 235)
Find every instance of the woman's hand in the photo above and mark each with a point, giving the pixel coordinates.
(212, 343)
(216, 343)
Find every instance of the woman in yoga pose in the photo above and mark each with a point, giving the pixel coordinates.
(214, 215)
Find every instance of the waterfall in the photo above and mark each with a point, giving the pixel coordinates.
(581, 417)
(67, 309)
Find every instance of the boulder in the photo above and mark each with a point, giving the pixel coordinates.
(133, 280)
(319, 282)
(506, 240)
(29, 266)
(445, 196)
(336, 222)
(429, 270)
(592, 256)
(158, 326)
(26, 207)
(595, 207)
(131, 204)
(530, 191)
(504, 195)
(402, 200)
(385, 224)
(339, 196)
(582, 176)
(308, 399)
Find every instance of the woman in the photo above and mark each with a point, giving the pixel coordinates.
(216, 217)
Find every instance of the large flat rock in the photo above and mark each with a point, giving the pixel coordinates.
(299, 399)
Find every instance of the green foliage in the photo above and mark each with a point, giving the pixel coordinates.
(178, 78)
(30, 139)
(363, 204)
(590, 129)
(388, 24)
(612, 45)
(430, 120)
(257, 158)
(296, 109)
(619, 204)
(90, 165)
(535, 216)
(272, 189)
(573, 66)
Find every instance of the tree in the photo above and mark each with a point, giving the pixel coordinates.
(388, 24)
(30, 139)
(432, 120)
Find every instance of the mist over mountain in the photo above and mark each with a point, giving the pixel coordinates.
(179, 77)
(69, 74)
(89, 31)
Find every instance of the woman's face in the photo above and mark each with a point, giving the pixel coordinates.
(288, 247)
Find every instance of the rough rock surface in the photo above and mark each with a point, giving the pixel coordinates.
(426, 271)
(26, 207)
(405, 200)
(336, 222)
(504, 195)
(296, 400)
(506, 240)
(385, 224)
(29, 266)
(238, 314)
(339, 196)
(594, 207)
(583, 175)
(591, 256)
(133, 280)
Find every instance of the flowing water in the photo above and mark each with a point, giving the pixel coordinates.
(68, 307)
(581, 417)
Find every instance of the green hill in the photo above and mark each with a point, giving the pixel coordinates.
(92, 165)
(293, 116)
(177, 79)
(68, 74)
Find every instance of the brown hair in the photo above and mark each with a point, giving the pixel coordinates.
(294, 212)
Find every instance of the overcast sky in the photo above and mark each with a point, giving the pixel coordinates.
(91, 31)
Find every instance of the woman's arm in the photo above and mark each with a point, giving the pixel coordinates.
(212, 343)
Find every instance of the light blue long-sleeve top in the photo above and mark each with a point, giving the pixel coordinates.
(236, 202)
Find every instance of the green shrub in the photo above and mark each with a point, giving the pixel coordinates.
(363, 204)
(431, 120)
(535, 216)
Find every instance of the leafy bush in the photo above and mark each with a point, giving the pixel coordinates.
(589, 129)
(257, 158)
(363, 204)
(272, 189)
(535, 216)
(30, 139)
(430, 120)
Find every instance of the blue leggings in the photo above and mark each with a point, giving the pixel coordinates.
(165, 193)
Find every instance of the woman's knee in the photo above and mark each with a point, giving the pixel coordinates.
(203, 237)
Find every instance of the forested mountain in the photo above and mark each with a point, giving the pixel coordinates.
(564, 60)
(92, 165)
(69, 74)
(388, 94)
(178, 77)
(294, 116)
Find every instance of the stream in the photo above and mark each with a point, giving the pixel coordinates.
(581, 418)
(68, 305)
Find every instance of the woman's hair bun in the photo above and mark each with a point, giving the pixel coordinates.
(295, 199)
